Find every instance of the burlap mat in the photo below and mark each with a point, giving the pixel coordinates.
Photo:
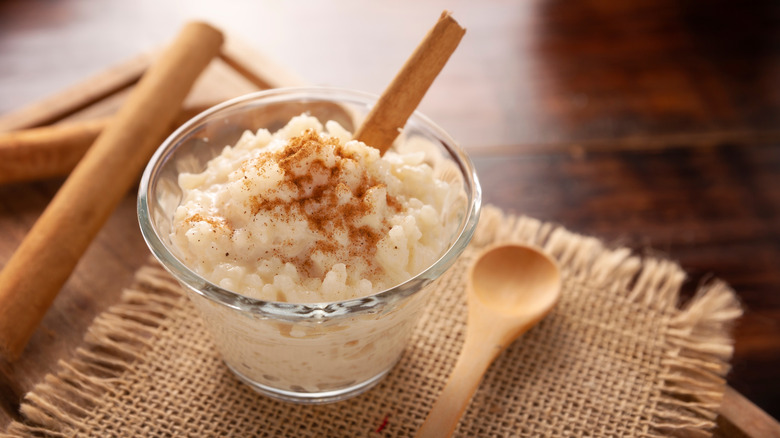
(616, 357)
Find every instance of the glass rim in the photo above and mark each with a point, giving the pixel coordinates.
(317, 310)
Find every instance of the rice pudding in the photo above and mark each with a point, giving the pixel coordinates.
(308, 215)
(308, 256)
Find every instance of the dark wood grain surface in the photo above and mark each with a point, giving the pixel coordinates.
(649, 124)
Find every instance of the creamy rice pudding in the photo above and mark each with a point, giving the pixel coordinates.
(308, 215)
(308, 255)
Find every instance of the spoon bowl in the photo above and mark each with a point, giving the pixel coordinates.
(511, 287)
(514, 279)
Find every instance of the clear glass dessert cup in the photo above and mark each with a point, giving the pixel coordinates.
(313, 352)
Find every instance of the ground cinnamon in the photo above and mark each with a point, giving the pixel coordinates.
(403, 95)
(46, 257)
(317, 197)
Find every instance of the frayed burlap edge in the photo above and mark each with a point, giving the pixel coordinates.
(686, 402)
(699, 336)
(116, 339)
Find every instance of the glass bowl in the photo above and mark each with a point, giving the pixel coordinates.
(312, 352)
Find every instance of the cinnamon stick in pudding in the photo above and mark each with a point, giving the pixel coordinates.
(30, 280)
(403, 95)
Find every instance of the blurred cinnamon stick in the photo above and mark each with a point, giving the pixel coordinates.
(403, 95)
(51, 151)
(71, 100)
(30, 280)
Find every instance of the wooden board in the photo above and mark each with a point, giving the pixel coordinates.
(119, 250)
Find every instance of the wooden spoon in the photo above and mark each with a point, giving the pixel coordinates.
(511, 287)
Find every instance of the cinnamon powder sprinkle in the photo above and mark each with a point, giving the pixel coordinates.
(317, 187)
(215, 222)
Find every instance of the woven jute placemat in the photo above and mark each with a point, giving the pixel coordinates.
(618, 356)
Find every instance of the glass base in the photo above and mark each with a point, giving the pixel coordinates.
(311, 398)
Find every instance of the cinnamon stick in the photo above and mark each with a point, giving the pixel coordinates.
(50, 151)
(403, 95)
(262, 71)
(64, 103)
(45, 152)
(46, 257)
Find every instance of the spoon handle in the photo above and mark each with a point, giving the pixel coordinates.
(475, 358)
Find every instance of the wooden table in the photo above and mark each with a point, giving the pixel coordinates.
(649, 124)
